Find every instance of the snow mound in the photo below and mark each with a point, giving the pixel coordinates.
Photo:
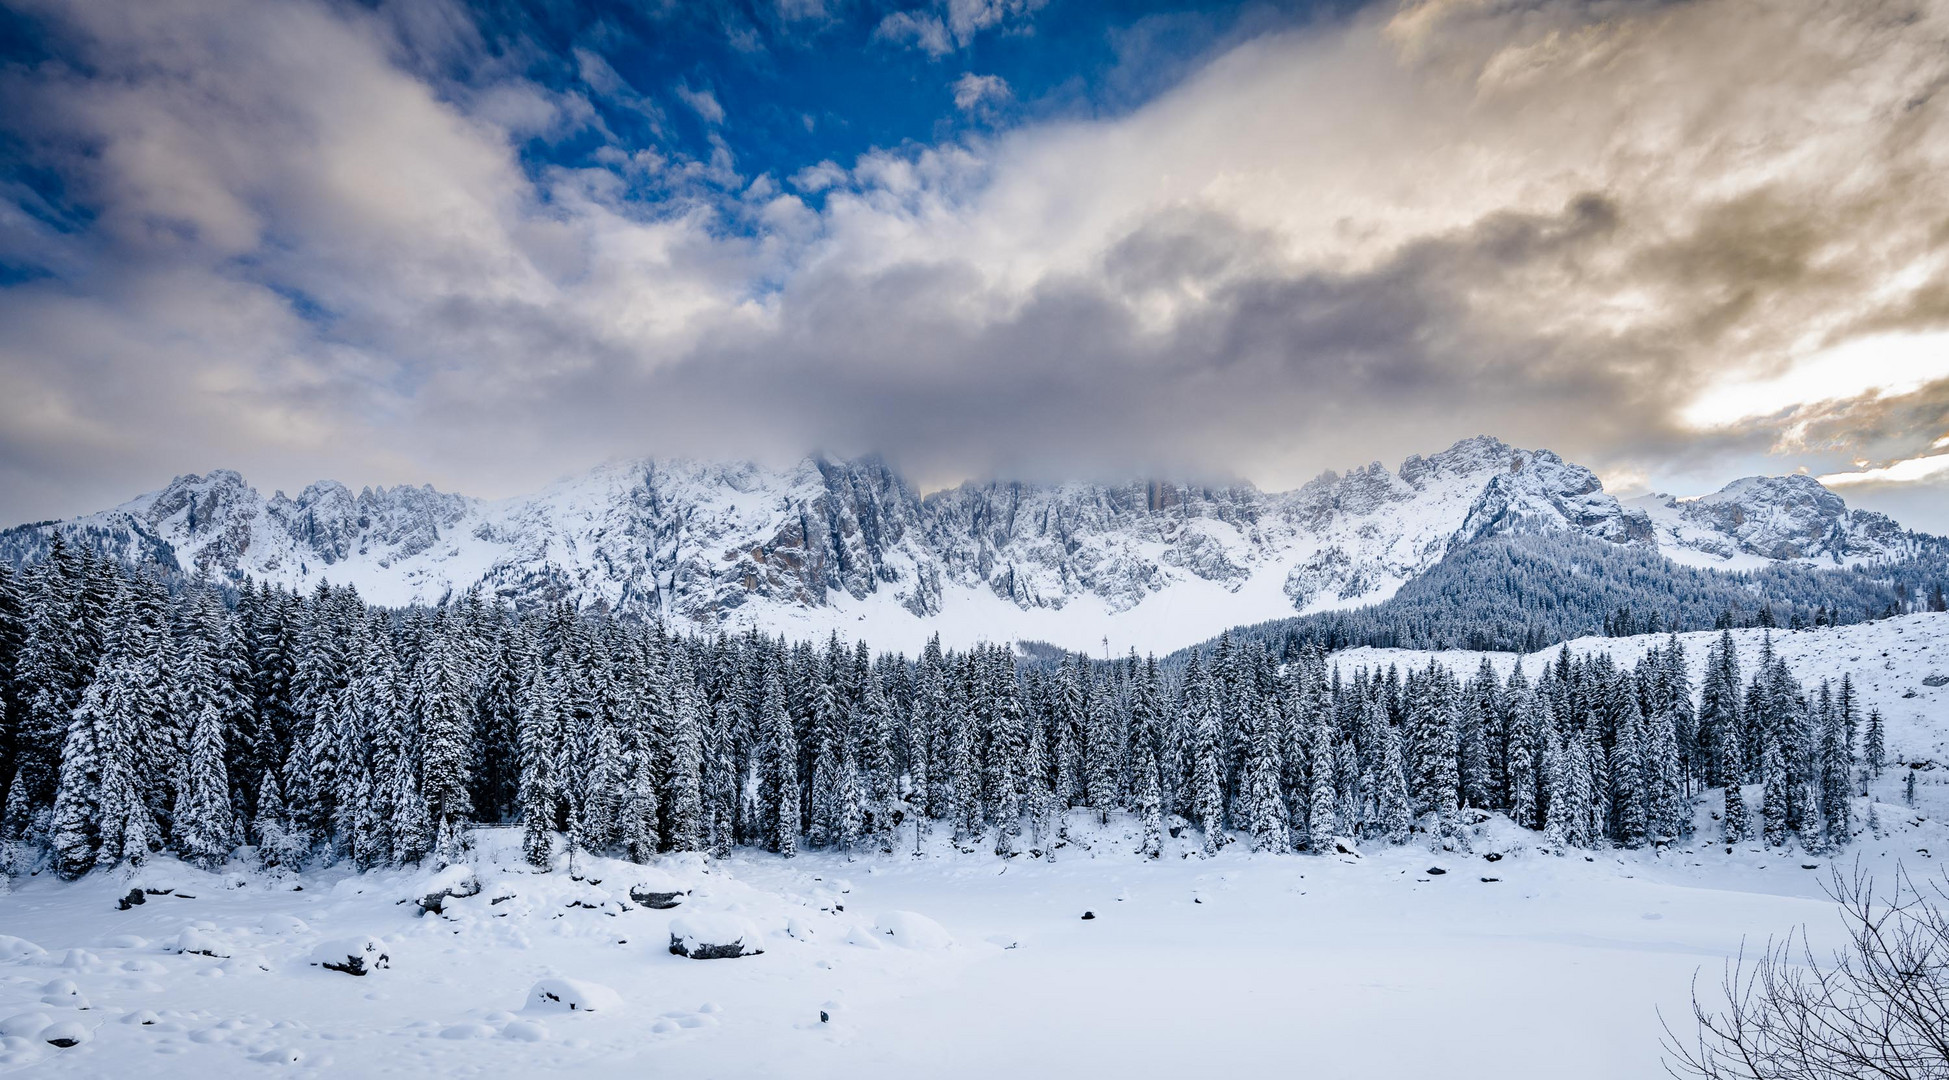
(202, 943)
(15, 948)
(862, 937)
(25, 1025)
(524, 1031)
(572, 995)
(913, 930)
(66, 1033)
(356, 955)
(713, 937)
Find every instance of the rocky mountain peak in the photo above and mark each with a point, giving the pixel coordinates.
(827, 543)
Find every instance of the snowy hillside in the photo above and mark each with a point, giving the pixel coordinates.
(1899, 665)
(851, 547)
(1240, 964)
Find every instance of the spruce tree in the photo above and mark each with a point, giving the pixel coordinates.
(73, 833)
(781, 777)
(1322, 823)
(1103, 744)
(1200, 721)
(1630, 789)
(683, 794)
(1264, 796)
(1396, 813)
(277, 845)
(1529, 722)
(445, 737)
(1808, 828)
(1775, 810)
(1563, 817)
(852, 801)
(1665, 797)
(881, 726)
(1720, 712)
(1150, 800)
(1837, 773)
(540, 731)
(205, 823)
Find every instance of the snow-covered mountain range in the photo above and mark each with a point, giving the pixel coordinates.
(851, 546)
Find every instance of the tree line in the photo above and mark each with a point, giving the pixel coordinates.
(320, 729)
(1526, 592)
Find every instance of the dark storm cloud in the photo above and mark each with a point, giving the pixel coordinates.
(287, 245)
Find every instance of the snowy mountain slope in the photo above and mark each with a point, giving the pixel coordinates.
(849, 546)
(1899, 665)
(1761, 519)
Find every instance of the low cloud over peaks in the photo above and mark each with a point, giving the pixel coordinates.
(264, 236)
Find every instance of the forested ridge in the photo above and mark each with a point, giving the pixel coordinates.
(1526, 592)
(316, 729)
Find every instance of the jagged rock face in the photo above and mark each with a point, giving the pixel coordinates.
(1046, 546)
(1775, 517)
(840, 543)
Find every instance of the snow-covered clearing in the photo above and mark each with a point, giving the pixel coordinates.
(958, 963)
(951, 965)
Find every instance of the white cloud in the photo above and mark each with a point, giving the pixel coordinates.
(1562, 223)
(970, 90)
(924, 32)
(1877, 365)
(816, 178)
(1913, 470)
(703, 102)
(966, 18)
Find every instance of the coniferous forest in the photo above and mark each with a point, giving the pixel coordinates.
(318, 729)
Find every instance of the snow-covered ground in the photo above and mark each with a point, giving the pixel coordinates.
(959, 964)
(952, 965)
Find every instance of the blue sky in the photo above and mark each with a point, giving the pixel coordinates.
(786, 86)
(487, 245)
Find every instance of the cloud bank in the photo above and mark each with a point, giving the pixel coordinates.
(305, 247)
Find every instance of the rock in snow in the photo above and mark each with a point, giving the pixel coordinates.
(714, 937)
(572, 995)
(358, 955)
(201, 943)
(65, 1034)
(913, 930)
(657, 889)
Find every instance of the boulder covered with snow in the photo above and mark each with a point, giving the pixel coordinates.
(573, 995)
(656, 889)
(65, 1034)
(911, 929)
(202, 942)
(356, 955)
(714, 937)
(454, 881)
